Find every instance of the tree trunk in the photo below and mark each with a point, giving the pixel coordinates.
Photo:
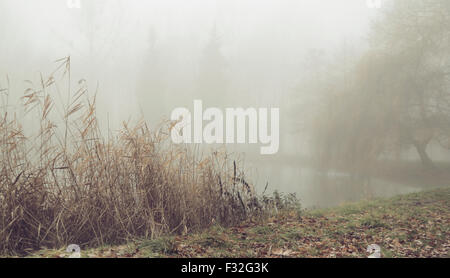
(422, 150)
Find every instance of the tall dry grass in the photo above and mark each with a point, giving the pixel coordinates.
(70, 184)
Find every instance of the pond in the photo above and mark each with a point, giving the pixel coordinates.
(316, 189)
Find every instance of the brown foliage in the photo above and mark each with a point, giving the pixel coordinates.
(69, 184)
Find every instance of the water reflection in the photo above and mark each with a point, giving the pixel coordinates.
(324, 189)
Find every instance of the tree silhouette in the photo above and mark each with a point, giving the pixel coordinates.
(97, 27)
(212, 81)
(152, 89)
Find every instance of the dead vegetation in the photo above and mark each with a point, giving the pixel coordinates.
(68, 183)
(406, 226)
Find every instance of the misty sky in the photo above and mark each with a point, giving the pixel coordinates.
(263, 42)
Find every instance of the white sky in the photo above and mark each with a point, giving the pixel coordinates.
(264, 41)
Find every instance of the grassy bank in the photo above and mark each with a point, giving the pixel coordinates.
(415, 225)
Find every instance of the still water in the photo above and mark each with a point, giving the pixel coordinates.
(316, 189)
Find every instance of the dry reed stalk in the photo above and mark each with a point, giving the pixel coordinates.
(68, 184)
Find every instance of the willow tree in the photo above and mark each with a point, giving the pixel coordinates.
(414, 37)
(398, 94)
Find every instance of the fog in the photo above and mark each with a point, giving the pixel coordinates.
(146, 58)
(141, 52)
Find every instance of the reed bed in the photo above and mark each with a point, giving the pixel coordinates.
(67, 183)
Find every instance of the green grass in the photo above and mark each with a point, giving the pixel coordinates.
(414, 225)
